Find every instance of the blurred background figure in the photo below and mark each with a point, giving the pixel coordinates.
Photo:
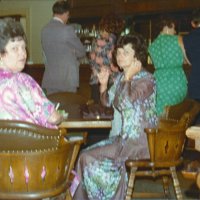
(167, 55)
(110, 27)
(62, 49)
(191, 44)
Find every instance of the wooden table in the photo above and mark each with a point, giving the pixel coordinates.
(194, 133)
(75, 120)
(80, 123)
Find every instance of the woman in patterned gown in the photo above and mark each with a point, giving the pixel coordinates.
(101, 167)
(167, 55)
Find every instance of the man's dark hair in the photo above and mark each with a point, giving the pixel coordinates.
(60, 7)
(196, 16)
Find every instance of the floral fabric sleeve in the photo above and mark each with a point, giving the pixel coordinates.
(36, 104)
(108, 96)
(141, 90)
(101, 56)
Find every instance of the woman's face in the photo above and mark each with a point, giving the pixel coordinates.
(15, 55)
(125, 56)
(104, 34)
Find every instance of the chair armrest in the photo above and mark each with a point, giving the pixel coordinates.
(166, 123)
(63, 132)
(176, 111)
(77, 136)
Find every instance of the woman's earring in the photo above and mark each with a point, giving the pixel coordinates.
(1, 61)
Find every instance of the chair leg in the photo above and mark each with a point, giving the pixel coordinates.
(131, 183)
(176, 183)
(166, 186)
(68, 195)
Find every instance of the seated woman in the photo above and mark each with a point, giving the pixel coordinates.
(21, 98)
(101, 167)
(167, 55)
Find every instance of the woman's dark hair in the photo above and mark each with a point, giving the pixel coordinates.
(10, 30)
(138, 44)
(196, 16)
(60, 7)
(166, 20)
(112, 23)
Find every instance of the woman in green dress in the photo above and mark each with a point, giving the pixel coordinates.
(167, 55)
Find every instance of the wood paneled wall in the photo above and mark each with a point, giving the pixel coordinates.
(93, 8)
(37, 71)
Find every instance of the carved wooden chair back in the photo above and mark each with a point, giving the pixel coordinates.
(166, 143)
(176, 111)
(35, 162)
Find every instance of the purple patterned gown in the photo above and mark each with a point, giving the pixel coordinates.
(101, 167)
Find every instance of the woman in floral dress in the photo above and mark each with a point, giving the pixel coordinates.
(110, 27)
(167, 55)
(101, 167)
(21, 98)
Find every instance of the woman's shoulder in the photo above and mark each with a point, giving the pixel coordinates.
(14, 76)
(162, 39)
(16, 79)
(166, 37)
(144, 75)
(24, 78)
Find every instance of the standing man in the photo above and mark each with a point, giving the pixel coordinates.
(62, 49)
(191, 44)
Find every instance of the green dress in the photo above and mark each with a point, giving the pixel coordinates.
(171, 82)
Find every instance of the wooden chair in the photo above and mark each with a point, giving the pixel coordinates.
(67, 98)
(176, 111)
(166, 143)
(35, 162)
(70, 102)
(192, 169)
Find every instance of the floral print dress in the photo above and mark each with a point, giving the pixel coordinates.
(101, 56)
(101, 167)
(21, 98)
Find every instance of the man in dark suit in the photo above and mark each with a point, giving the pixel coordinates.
(62, 49)
(192, 47)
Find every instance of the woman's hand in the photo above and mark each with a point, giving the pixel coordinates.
(103, 77)
(132, 70)
(55, 118)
